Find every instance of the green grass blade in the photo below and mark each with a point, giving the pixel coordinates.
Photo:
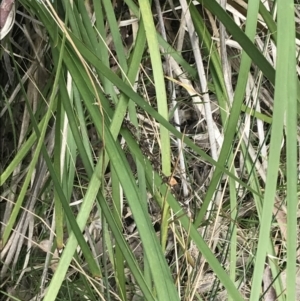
(160, 88)
(286, 46)
(72, 243)
(285, 59)
(23, 151)
(117, 212)
(246, 42)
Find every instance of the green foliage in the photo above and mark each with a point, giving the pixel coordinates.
(101, 142)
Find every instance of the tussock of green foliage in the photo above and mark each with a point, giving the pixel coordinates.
(149, 151)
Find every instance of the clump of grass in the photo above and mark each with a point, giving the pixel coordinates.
(150, 152)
